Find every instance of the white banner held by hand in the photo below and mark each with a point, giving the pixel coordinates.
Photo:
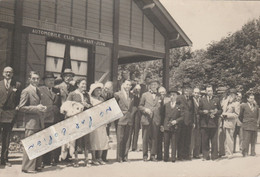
(71, 128)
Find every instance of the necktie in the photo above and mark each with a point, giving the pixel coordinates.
(38, 93)
(7, 84)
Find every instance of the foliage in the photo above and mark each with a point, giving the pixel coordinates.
(234, 61)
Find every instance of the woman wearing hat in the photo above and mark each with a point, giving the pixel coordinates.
(98, 138)
(230, 114)
(80, 95)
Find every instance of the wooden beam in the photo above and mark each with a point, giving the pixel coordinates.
(142, 51)
(115, 47)
(17, 40)
(166, 64)
(135, 59)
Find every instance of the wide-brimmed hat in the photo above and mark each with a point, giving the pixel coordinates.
(95, 86)
(68, 71)
(48, 75)
(173, 90)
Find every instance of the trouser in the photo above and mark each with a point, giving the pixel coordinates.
(195, 142)
(52, 156)
(5, 138)
(221, 141)
(229, 142)
(150, 132)
(136, 129)
(170, 137)
(238, 132)
(160, 145)
(249, 137)
(184, 141)
(123, 141)
(209, 135)
(27, 164)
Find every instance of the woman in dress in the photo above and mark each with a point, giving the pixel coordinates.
(81, 96)
(98, 138)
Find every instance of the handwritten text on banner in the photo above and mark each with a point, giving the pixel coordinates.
(71, 128)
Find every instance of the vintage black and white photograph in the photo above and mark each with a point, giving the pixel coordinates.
(130, 88)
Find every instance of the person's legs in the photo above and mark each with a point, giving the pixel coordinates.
(221, 143)
(6, 132)
(166, 145)
(236, 133)
(253, 142)
(214, 143)
(246, 141)
(127, 141)
(229, 142)
(120, 136)
(205, 143)
(155, 131)
(145, 135)
(197, 142)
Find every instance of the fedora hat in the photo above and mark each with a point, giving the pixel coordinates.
(173, 90)
(68, 71)
(48, 75)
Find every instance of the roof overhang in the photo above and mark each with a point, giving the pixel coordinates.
(164, 22)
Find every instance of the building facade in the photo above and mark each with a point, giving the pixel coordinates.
(90, 36)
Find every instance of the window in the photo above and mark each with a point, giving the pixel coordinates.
(55, 58)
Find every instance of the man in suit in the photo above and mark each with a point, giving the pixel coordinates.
(125, 102)
(195, 135)
(151, 118)
(68, 85)
(9, 94)
(51, 98)
(238, 130)
(108, 93)
(210, 110)
(162, 91)
(30, 105)
(249, 116)
(187, 107)
(173, 117)
(137, 116)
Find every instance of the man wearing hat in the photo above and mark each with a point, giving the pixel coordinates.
(231, 108)
(51, 98)
(173, 117)
(150, 120)
(67, 85)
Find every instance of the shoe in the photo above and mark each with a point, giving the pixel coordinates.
(253, 154)
(153, 159)
(29, 171)
(126, 160)
(39, 169)
(76, 165)
(145, 159)
(95, 162)
(173, 161)
(101, 162)
(196, 157)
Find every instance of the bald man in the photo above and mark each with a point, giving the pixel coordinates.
(9, 94)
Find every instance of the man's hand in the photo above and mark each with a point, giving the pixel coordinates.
(41, 108)
(86, 105)
(148, 111)
(173, 122)
(205, 111)
(212, 116)
(161, 128)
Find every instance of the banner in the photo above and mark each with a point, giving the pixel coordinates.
(71, 128)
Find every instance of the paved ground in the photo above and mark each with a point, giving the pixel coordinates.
(238, 166)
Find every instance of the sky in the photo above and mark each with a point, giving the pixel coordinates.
(205, 21)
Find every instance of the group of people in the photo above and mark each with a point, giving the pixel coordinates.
(192, 124)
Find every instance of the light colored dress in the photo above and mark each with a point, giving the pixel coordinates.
(98, 138)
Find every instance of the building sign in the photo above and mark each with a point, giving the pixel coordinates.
(68, 37)
(71, 128)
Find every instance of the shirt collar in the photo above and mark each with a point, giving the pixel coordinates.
(33, 87)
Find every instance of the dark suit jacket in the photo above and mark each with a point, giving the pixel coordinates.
(126, 106)
(34, 120)
(171, 114)
(154, 105)
(187, 107)
(53, 102)
(248, 117)
(9, 99)
(73, 96)
(205, 120)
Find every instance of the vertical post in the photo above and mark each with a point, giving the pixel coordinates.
(166, 63)
(114, 68)
(17, 39)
